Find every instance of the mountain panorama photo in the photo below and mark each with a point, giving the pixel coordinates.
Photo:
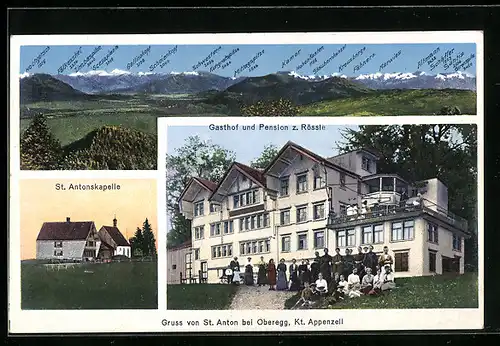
(100, 112)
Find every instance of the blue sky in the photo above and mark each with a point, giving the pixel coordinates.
(271, 60)
(321, 142)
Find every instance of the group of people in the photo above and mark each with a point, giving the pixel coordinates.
(268, 274)
(339, 275)
(349, 275)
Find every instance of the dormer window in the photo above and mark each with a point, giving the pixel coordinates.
(284, 186)
(198, 208)
(246, 198)
(366, 164)
(319, 182)
(301, 183)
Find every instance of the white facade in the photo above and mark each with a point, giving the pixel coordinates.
(285, 215)
(78, 250)
(123, 250)
(67, 249)
(114, 238)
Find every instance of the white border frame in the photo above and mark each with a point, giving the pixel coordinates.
(136, 321)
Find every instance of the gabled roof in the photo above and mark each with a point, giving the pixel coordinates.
(257, 175)
(207, 184)
(311, 155)
(65, 230)
(106, 245)
(253, 174)
(116, 235)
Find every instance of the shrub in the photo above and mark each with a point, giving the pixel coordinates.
(448, 110)
(277, 108)
(112, 148)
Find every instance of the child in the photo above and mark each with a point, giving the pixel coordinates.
(342, 287)
(367, 282)
(305, 296)
(353, 284)
(321, 285)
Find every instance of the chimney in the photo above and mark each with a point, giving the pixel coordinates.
(67, 219)
(115, 222)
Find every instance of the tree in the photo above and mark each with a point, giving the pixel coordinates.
(268, 154)
(113, 148)
(196, 158)
(180, 231)
(40, 150)
(149, 242)
(137, 243)
(418, 152)
(275, 108)
(448, 110)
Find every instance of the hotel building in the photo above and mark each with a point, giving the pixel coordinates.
(300, 204)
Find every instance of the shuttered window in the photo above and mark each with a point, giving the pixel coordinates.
(401, 262)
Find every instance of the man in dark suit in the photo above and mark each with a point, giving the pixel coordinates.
(315, 267)
(326, 266)
(371, 260)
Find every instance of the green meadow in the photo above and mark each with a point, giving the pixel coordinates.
(116, 285)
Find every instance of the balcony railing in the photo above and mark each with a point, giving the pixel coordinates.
(389, 211)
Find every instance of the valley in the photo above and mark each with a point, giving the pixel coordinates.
(135, 103)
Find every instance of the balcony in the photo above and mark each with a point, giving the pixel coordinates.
(388, 212)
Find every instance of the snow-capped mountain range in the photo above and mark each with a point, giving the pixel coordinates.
(193, 81)
(405, 80)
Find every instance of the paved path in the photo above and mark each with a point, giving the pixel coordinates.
(259, 298)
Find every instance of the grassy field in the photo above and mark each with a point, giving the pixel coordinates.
(200, 297)
(126, 285)
(431, 292)
(72, 120)
(396, 102)
(70, 129)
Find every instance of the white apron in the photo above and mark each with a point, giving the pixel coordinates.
(236, 276)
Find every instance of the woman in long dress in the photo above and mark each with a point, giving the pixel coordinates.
(307, 273)
(249, 273)
(261, 276)
(302, 273)
(282, 283)
(271, 275)
(294, 276)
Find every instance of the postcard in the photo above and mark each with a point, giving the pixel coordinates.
(223, 182)
(92, 101)
(319, 215)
